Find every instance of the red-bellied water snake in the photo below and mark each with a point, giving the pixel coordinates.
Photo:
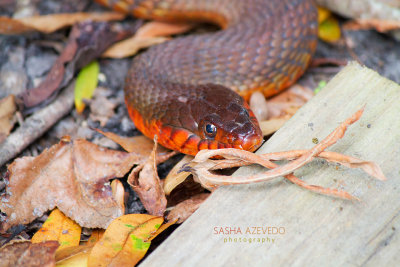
(183, 90)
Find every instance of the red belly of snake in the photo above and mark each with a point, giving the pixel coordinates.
(191, 91)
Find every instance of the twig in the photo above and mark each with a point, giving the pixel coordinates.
(37, 124)
(209, 178)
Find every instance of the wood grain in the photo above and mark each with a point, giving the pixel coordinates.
(319, 230)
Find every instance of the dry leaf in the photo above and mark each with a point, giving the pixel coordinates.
(141, 145)
(148, 35)
(258, 104)
(162, 228)
(272, 125)
(378, 24)
(175, 176)
(7, 111)
(78, 255)
(147, 186)
(289, 101)
(95, 236)
(59, 227)
(124, 242)
(73, 176)
(51, 23)
(73, 256)
(27, 254)
(186, 208)
(131, 46)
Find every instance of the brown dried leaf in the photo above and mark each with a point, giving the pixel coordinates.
(27, 254)
(72, 176)
(272, 125)
(289, 101)
(378, 24)
(7, 111)
(175, 177)
(51, 23)
(141, 145)
(148, 35)
(131, 46)
(258, 104)
(148, 186)
(186, 208)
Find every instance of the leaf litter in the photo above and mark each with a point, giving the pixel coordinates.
(73, 176)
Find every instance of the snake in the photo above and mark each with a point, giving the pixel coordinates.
(192, 91)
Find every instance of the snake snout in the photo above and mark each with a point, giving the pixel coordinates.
(252, 142)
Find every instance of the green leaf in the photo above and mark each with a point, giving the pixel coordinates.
(86, 83)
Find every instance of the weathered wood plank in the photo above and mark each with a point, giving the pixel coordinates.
(319, 230)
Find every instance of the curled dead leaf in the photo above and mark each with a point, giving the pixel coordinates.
(186, 208)
(175, 176)
(147, 185)
(289, 101)
(272, 125)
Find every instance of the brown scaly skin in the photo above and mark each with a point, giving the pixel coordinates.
(176, 88)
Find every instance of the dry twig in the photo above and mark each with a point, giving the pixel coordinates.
(202, 166)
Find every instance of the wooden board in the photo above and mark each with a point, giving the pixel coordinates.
(318, 230)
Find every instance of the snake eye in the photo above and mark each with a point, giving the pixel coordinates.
(210, 130)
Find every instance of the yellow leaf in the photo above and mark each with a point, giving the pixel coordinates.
(162, 229)
(60, 228)
(329, 30)
(125, 241)
(323, 14)
(86, 83)
(77, 260)
(73, 256)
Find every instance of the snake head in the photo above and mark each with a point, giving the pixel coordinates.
(224, 120)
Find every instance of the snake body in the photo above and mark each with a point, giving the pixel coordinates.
(190, 91)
